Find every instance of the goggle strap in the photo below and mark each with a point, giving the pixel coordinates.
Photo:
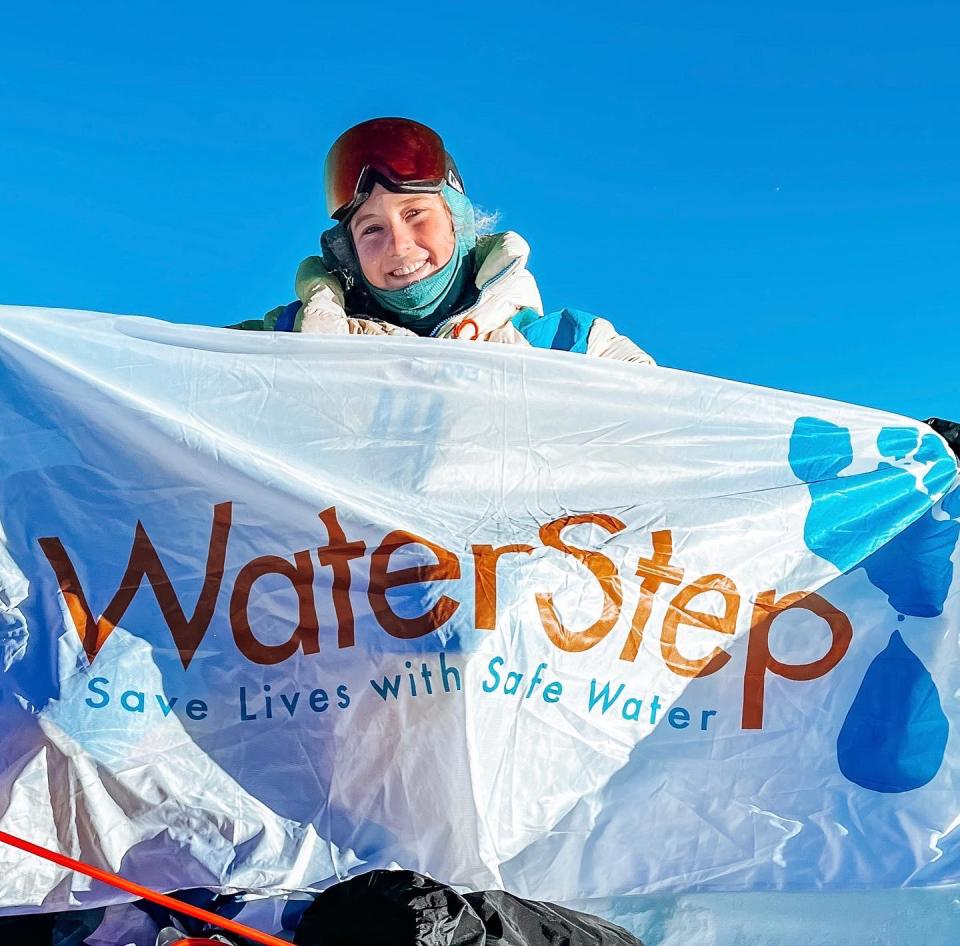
(370, 176)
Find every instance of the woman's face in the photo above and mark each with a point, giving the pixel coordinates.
(401, 238)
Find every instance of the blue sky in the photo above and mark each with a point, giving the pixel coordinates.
(763, 194)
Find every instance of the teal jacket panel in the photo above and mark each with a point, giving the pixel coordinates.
(566, 330)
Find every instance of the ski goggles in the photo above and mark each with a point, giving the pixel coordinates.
(402, 155)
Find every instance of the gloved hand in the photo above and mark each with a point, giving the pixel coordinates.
(324, 313)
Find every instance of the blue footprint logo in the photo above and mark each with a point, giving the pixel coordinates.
(852, 516)
(895, 734)
(915, 568)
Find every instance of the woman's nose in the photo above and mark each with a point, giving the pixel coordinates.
(401, 238)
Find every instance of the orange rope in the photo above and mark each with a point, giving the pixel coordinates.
(175, 906)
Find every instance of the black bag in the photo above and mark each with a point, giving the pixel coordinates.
(949, 430)
(403, 908)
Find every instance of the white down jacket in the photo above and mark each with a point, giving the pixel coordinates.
(508, 309)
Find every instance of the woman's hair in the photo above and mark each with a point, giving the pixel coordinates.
(487, 220)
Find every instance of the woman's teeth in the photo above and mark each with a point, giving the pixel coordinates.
(410, 269)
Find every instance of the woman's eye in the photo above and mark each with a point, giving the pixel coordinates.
(414, 212)
(373, 228)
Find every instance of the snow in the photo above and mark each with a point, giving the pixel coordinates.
(918, 917)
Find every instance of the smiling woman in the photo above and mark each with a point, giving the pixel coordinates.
(411, 255)
(404, 257)
(402, 239)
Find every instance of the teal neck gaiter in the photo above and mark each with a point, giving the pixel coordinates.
(423, 305)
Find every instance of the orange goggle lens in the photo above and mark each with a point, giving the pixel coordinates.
(400, 151)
